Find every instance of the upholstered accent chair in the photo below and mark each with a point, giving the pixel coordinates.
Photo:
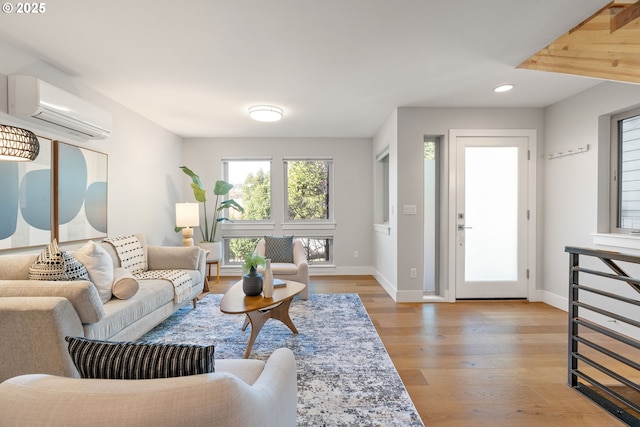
(288, 259)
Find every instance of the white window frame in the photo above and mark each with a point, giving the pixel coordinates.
(615, 162)
(291, 224)
(225, 172)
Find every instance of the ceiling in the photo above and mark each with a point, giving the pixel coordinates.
(337, 67)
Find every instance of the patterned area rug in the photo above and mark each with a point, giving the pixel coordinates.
(345, 376)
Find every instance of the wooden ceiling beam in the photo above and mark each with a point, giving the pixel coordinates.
(625, 16)
(592, 49)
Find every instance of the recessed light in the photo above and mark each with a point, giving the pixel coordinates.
(503, 88)
(266, 113)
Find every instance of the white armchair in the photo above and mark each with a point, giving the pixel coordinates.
(297, 271)
(242, 392)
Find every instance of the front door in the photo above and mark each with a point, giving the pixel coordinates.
(491, 217)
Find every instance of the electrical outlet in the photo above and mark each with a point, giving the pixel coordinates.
(413, 273)
(356, 254)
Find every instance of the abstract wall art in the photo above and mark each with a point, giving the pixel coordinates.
(80, 182)
(25, 195)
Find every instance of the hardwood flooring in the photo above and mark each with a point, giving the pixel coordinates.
(474, 363)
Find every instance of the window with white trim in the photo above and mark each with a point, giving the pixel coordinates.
(251, 179)
(308, 195)
(319, 249)
(625, 165)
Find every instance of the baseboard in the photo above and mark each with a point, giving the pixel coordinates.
(554, 300)
(321, 270)
(391, 290)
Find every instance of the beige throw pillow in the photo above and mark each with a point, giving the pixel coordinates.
(100, 267)
(124, 284)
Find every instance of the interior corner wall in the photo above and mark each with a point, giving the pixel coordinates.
(143, 158)
(385, 239)
(571, 182)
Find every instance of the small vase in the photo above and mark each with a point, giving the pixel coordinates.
(252, 283)
(267, 281)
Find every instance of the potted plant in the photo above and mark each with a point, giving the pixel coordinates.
(252, 280)
(209, 231)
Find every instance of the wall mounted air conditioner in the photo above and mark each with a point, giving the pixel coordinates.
(38, 101)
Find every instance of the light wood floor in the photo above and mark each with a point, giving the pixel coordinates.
(474, 363)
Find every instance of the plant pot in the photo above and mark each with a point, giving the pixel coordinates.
(214, 248)
(252, 283)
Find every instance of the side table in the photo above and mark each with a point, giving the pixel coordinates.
(217, 263)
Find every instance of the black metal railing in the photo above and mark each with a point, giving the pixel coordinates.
(604, 360)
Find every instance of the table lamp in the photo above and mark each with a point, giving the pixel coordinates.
(187, 216)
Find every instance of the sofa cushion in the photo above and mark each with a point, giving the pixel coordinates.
(279, 249)
(124, 284)
(55, 264)
(132, 361)
(99, 266)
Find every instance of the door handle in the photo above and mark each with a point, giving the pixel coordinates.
(462, 227)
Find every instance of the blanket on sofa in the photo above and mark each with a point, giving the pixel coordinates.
(181, 281)
(132, 257)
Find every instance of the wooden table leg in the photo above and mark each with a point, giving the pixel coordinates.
(259, 317)
(257, 320)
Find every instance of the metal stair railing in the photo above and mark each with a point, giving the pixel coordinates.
(604, 364)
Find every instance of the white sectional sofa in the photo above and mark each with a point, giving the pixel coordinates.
(36, 315)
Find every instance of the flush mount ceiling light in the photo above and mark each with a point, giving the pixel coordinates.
(266, 113)
(18, 145)
(503, 88)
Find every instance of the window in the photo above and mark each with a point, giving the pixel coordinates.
(625, 188)
(251, 181)
(319, 249)
(308, 190)
(237, 248)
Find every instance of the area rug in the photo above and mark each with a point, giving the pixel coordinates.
(345, 376)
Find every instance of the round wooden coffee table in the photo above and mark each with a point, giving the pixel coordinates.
(259, 309)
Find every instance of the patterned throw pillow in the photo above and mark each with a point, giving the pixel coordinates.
(55, 264)
(138, 361)
(279, 249)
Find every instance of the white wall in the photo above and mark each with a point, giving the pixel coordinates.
(143, 158)
(571, 182)
(385, 237)
(412, 125)
(353, 188)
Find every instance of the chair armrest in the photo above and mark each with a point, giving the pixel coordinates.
(299, 254)
(33, 336)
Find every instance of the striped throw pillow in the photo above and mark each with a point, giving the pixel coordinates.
(279, 249)
(138, 361)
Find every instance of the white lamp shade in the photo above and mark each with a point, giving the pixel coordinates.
(187, 214)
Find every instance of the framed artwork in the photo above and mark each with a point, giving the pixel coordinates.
(25, 192)
(80, 199)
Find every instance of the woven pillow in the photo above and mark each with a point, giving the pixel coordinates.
(55, 264)
(138, 361)
(279, 249)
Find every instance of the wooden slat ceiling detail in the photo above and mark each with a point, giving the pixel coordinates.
(605, 46)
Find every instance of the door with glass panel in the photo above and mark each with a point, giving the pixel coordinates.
(491, 217)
